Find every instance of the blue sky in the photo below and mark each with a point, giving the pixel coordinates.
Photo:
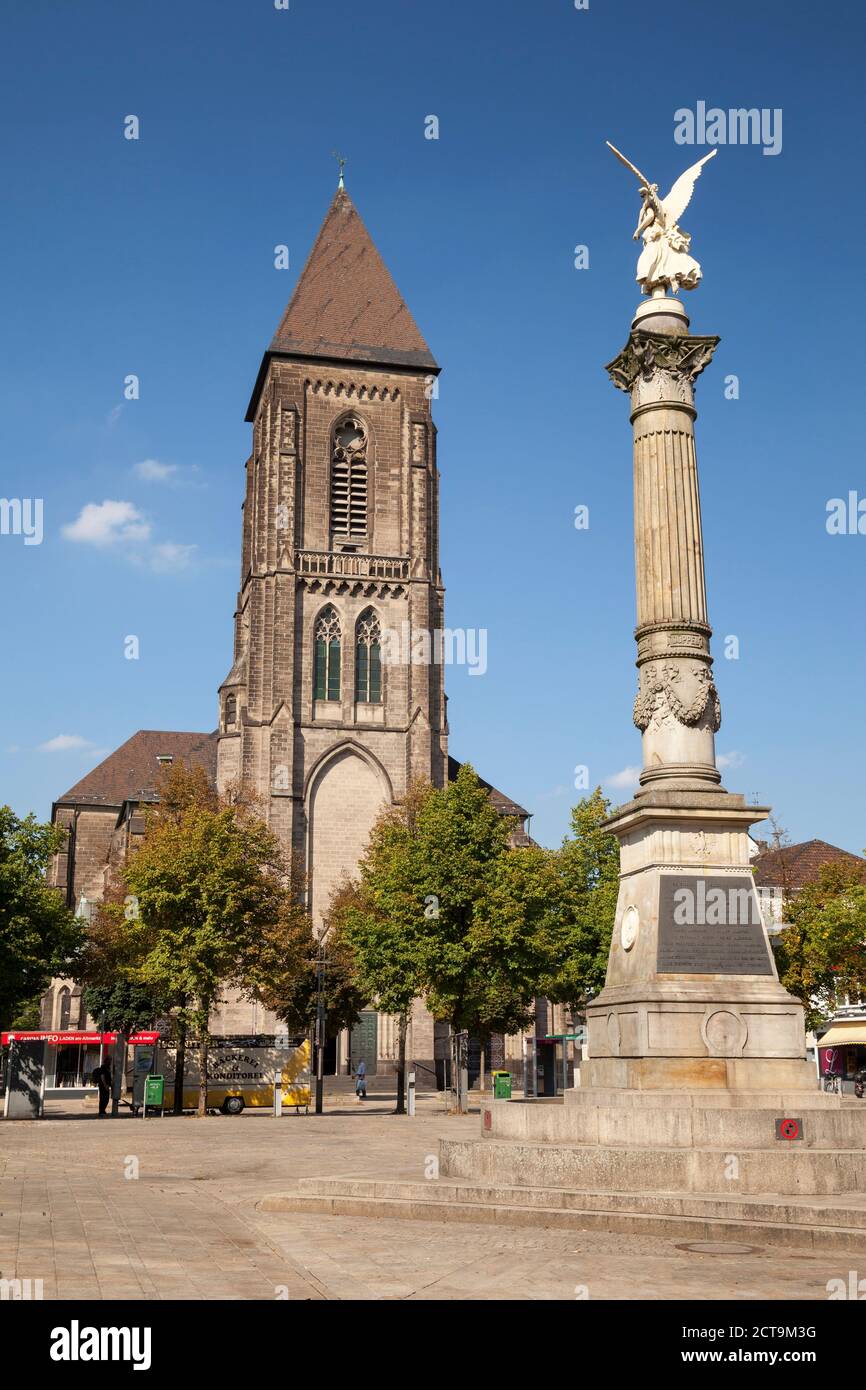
(155, 257)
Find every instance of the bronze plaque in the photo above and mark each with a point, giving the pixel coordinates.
(711, 926)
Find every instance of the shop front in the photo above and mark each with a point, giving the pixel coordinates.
(60, 1064)
(842, 1053)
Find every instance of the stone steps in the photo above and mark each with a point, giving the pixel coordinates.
(803, 1224)
(637, 1121)
(786, 1168)
(786, 1102)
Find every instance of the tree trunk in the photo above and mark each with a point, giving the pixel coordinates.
(179, 1068)
(403, 1028)
(202, 1070)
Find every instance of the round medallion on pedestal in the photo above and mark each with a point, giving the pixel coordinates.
(629, 928)
(724, 1033)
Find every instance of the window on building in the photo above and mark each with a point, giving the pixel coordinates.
(326, 679)
(349, 480)
(231, 710)
(368, 658)
(65, 1009)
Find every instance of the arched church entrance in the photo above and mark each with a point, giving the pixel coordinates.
(347, 792)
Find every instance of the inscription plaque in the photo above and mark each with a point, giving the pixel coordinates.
(711, 926)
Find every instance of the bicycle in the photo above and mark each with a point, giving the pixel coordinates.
(831, 1083)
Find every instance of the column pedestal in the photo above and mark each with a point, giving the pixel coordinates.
(692, 996)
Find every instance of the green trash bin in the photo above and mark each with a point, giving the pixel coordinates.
(501, 1085)
(154, 1091)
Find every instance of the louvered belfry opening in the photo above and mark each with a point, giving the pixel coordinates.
(349, 481)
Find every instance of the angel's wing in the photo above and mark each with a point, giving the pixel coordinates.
(628, 164)
(680, 196)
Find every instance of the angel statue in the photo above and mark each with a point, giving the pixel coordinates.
(664, 259)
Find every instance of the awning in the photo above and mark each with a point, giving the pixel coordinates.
(844, 1035)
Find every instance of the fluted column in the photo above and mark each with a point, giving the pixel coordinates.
(677, 706)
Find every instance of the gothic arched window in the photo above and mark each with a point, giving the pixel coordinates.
(231, 711)
(349, 480)
(65, 1009)
(326, 677)
(368, 658)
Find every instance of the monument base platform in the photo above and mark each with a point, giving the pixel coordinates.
(713, 1074)
(808, 1224)
(787, 1143)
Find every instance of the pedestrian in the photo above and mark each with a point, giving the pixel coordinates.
(102, 1077)
(361, 1080)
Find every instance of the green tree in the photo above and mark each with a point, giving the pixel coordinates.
(28, 1016)
(379, 916)
(211, 896)
(123, 1007)
(485, 911)
(588, 868)
(39, 936)
(109, 966)
(821, 950)
(288, 972)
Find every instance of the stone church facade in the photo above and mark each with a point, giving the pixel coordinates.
(339, 553)
(339, 544)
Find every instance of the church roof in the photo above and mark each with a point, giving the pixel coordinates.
(131, 771)
(793, 866)
(504, 805)
(345, 305)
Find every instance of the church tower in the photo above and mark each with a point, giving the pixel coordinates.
(339, 551)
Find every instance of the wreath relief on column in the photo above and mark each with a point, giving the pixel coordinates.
(684, 693)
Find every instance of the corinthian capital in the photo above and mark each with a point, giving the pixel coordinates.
(679, 354)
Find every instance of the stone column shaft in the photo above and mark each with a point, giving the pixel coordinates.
(677, 707)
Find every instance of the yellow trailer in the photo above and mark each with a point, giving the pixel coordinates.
(241, 1074)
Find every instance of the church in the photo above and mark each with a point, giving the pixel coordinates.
(339, 548)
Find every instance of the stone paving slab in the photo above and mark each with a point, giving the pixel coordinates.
(188, 1226)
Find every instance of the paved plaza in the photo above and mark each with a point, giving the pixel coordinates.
(188, 1225)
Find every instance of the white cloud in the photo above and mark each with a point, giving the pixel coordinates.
(106, 523)
(65, 743)
(121, 525)
(153, 471)
(627, 777)
(169, 557)
(114, 414)
(733, 759)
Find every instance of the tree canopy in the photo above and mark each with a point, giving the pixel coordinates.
(205, 902)
(39, 935)
(588, 870)
(821, 950)
(446, 909)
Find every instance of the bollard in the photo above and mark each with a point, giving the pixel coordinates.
(410, 1102)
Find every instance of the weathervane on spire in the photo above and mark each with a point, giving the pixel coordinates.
(342, 163)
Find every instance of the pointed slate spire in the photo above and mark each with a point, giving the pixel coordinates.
(345, 304)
